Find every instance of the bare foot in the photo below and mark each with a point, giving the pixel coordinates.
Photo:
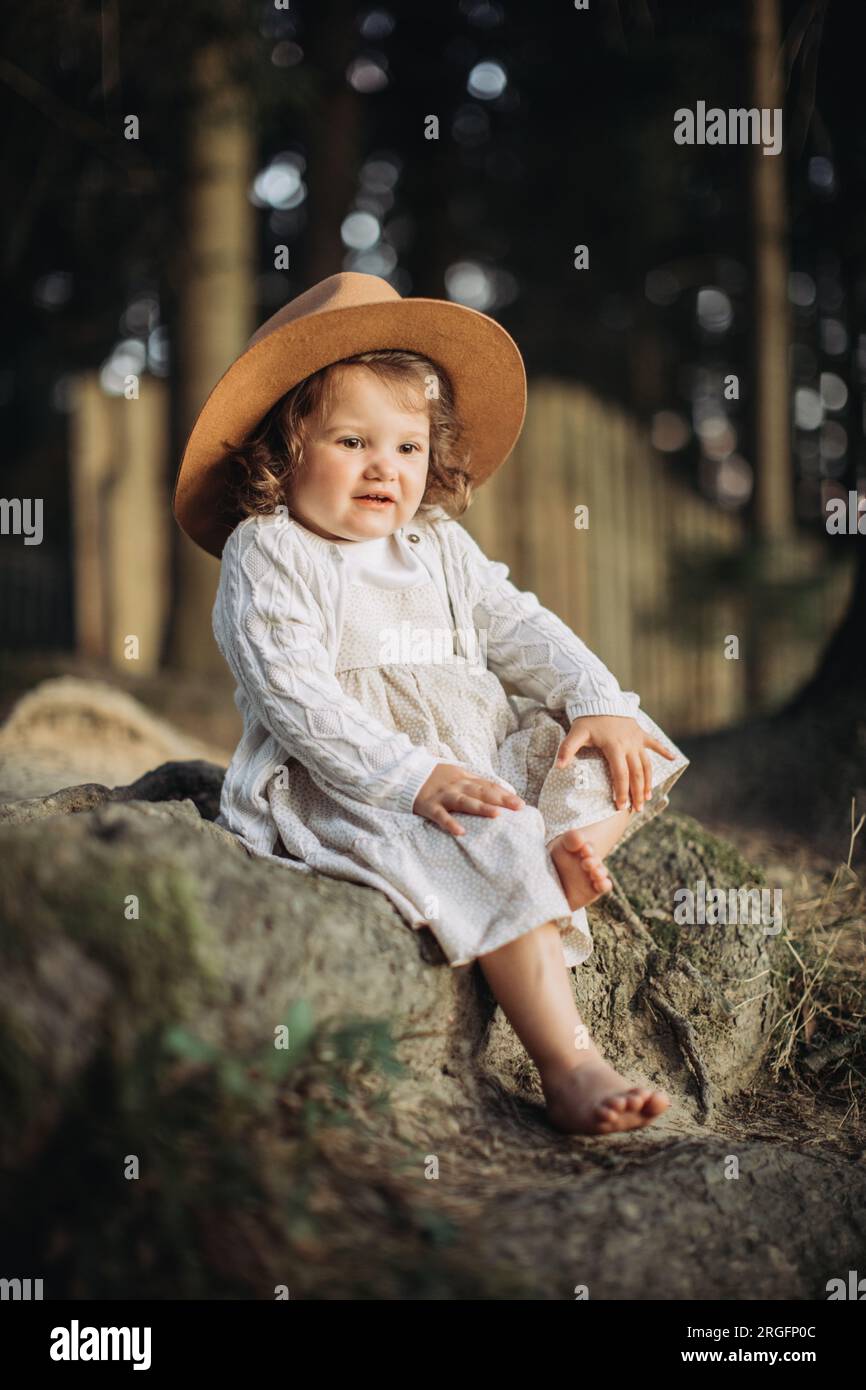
(581, 871)
(594, 1099)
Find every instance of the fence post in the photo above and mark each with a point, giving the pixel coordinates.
(120, 522)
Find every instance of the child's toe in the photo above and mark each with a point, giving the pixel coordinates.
(606, 1115)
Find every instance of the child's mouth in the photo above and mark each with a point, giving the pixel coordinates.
(373, 501)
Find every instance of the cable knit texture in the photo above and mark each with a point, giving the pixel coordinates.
(529, 646)
(278, 619)
(275, 622)
(275, 640)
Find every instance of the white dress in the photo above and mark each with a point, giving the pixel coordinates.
(478, 891)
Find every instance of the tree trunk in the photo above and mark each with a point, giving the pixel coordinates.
(215, 311)
(773, 511)
(334, 139)
(840, 681)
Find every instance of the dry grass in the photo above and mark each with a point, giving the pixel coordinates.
(820, 1037)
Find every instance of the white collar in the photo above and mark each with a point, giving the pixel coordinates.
(416, 528)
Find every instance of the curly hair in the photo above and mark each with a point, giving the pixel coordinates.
(271, 457)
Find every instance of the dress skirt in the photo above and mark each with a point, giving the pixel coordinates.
(480, 890)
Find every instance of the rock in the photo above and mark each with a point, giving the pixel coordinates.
(197, 782)
(225, 941)
(147, 965)
(70, 731)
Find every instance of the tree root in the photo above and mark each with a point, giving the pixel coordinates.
(684, 1033)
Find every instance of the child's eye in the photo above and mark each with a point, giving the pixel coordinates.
(349, 438)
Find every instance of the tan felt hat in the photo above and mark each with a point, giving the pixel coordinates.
(343, 315)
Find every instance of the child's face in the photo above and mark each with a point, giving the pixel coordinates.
(365, 444)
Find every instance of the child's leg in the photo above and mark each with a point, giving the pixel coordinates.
(577, 856)
(584, 1094)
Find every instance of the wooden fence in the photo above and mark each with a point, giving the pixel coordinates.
(614, 583)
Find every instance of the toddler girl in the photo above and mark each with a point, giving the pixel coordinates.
(369, 636)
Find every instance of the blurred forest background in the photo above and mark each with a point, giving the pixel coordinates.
(172, 175)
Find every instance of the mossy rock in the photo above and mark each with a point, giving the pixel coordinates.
(147, 961)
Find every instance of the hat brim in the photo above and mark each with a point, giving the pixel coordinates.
(482, 360)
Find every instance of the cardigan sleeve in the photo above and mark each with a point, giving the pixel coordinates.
(532, 648)
(269, 628)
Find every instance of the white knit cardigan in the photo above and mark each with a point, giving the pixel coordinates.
(277, 619)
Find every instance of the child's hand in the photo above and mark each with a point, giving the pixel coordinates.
(623, 742)
(452, 788)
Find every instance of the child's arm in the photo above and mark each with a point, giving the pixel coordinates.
(269, 628)
(532, 648)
